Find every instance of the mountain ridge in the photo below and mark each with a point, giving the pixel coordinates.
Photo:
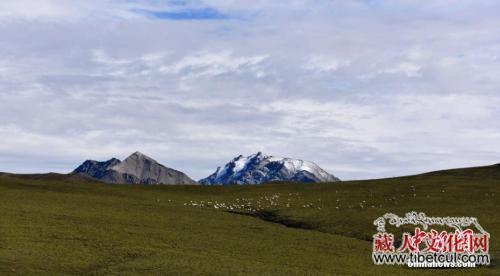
(259, 168)
(137, 168)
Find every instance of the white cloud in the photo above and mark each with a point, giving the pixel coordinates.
(365, 90)
(323, 63)
(213, 64)
(408, 69)
(203, 64)
(101, 57)
(28, 9)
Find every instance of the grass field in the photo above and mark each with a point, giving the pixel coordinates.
(58, 224)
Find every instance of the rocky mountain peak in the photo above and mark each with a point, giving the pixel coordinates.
(137, 168)
(258, 168)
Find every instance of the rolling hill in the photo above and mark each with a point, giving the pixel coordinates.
(70, 224)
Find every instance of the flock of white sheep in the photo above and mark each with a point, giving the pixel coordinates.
(289, 200)
(257, 204)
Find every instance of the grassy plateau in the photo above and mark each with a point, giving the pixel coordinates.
(66, 224)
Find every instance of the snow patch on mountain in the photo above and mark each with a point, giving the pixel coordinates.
(258, 168)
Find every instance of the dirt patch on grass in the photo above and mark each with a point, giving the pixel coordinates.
(274, 217)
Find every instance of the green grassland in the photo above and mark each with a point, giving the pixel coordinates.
(59, 224)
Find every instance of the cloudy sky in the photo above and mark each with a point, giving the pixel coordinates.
(365, 89)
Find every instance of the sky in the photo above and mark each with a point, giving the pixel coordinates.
(363, 88)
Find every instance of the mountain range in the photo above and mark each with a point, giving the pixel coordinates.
(254, 169)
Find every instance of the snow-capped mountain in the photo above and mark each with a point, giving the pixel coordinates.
(259, 168)
(135, 169)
